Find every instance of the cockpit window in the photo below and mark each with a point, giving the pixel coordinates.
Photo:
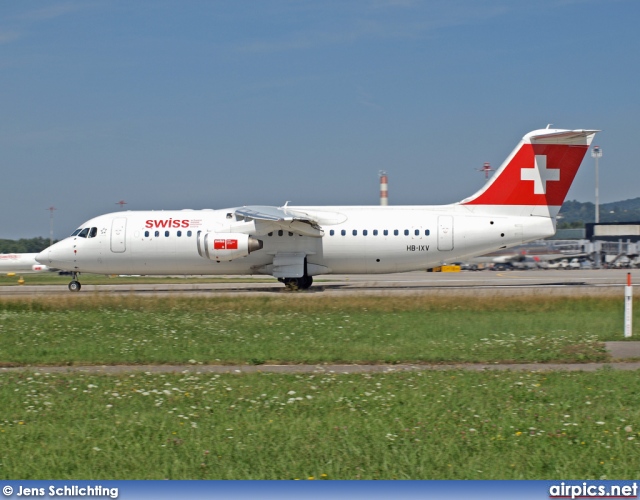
(93, 232)
(84, 232)
(76, 231)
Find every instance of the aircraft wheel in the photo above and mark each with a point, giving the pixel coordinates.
(301, 283)
(305, 282)
(75, 286)
(291, 283)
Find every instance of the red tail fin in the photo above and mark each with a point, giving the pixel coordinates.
(538, 173)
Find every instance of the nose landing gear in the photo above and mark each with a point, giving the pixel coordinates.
(75, 285)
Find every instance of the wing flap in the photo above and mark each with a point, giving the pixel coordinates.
(283, 218)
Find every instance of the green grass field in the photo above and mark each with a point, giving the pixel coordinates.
(420, 425)
(102, 329)
(423, 425)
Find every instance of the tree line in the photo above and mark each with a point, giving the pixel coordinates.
(24, 245)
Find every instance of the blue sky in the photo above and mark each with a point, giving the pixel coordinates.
(211, 104)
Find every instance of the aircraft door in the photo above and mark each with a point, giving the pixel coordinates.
(445, 232)
(519, 233)
(119, 235)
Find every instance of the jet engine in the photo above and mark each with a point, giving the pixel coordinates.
(226, 246)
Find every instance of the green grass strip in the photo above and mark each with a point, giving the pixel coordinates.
(103, 329)
(421, 425)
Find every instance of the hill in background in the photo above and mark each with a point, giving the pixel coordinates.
(576, 214)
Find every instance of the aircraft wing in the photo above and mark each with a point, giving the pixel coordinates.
(283, 217)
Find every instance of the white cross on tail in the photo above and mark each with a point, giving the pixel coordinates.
(540, 174)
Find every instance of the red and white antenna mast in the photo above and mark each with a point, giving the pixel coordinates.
(486, 168)
(384, 188)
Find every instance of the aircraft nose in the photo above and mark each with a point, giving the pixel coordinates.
(43, 257)
(58, 255)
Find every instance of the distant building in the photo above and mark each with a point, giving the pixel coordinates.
(613, 231)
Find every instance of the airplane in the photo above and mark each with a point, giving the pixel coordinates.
(524, 257)
(20, 263)
(295, 243)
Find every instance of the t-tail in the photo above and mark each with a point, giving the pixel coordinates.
(535, 178)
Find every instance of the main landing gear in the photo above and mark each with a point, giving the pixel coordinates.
(75, 285)
(301, 283)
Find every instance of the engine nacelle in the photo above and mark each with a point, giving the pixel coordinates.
(226, 246)
(39, 267)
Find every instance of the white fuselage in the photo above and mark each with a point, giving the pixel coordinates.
(356, 240)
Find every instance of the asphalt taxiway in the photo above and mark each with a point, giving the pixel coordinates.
(602, 281)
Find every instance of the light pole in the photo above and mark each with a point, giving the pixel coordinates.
(596, 153)
(486, 168)
(51, 209)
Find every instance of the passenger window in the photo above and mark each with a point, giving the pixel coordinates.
(146, 234)
(406, 232)
(426, 232)
(375, 232)
(343, 232)
(84, 233)
(76, 232)
(189, 233)
(93, 232)
(364, 232)
(290, 233)
(332, 232)
(395, 232)
(417, 232)
(157, 234)
(386, 232)
(166, 234)
(178, 234)
(270, 234)
(354, 232)
(280, 232)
